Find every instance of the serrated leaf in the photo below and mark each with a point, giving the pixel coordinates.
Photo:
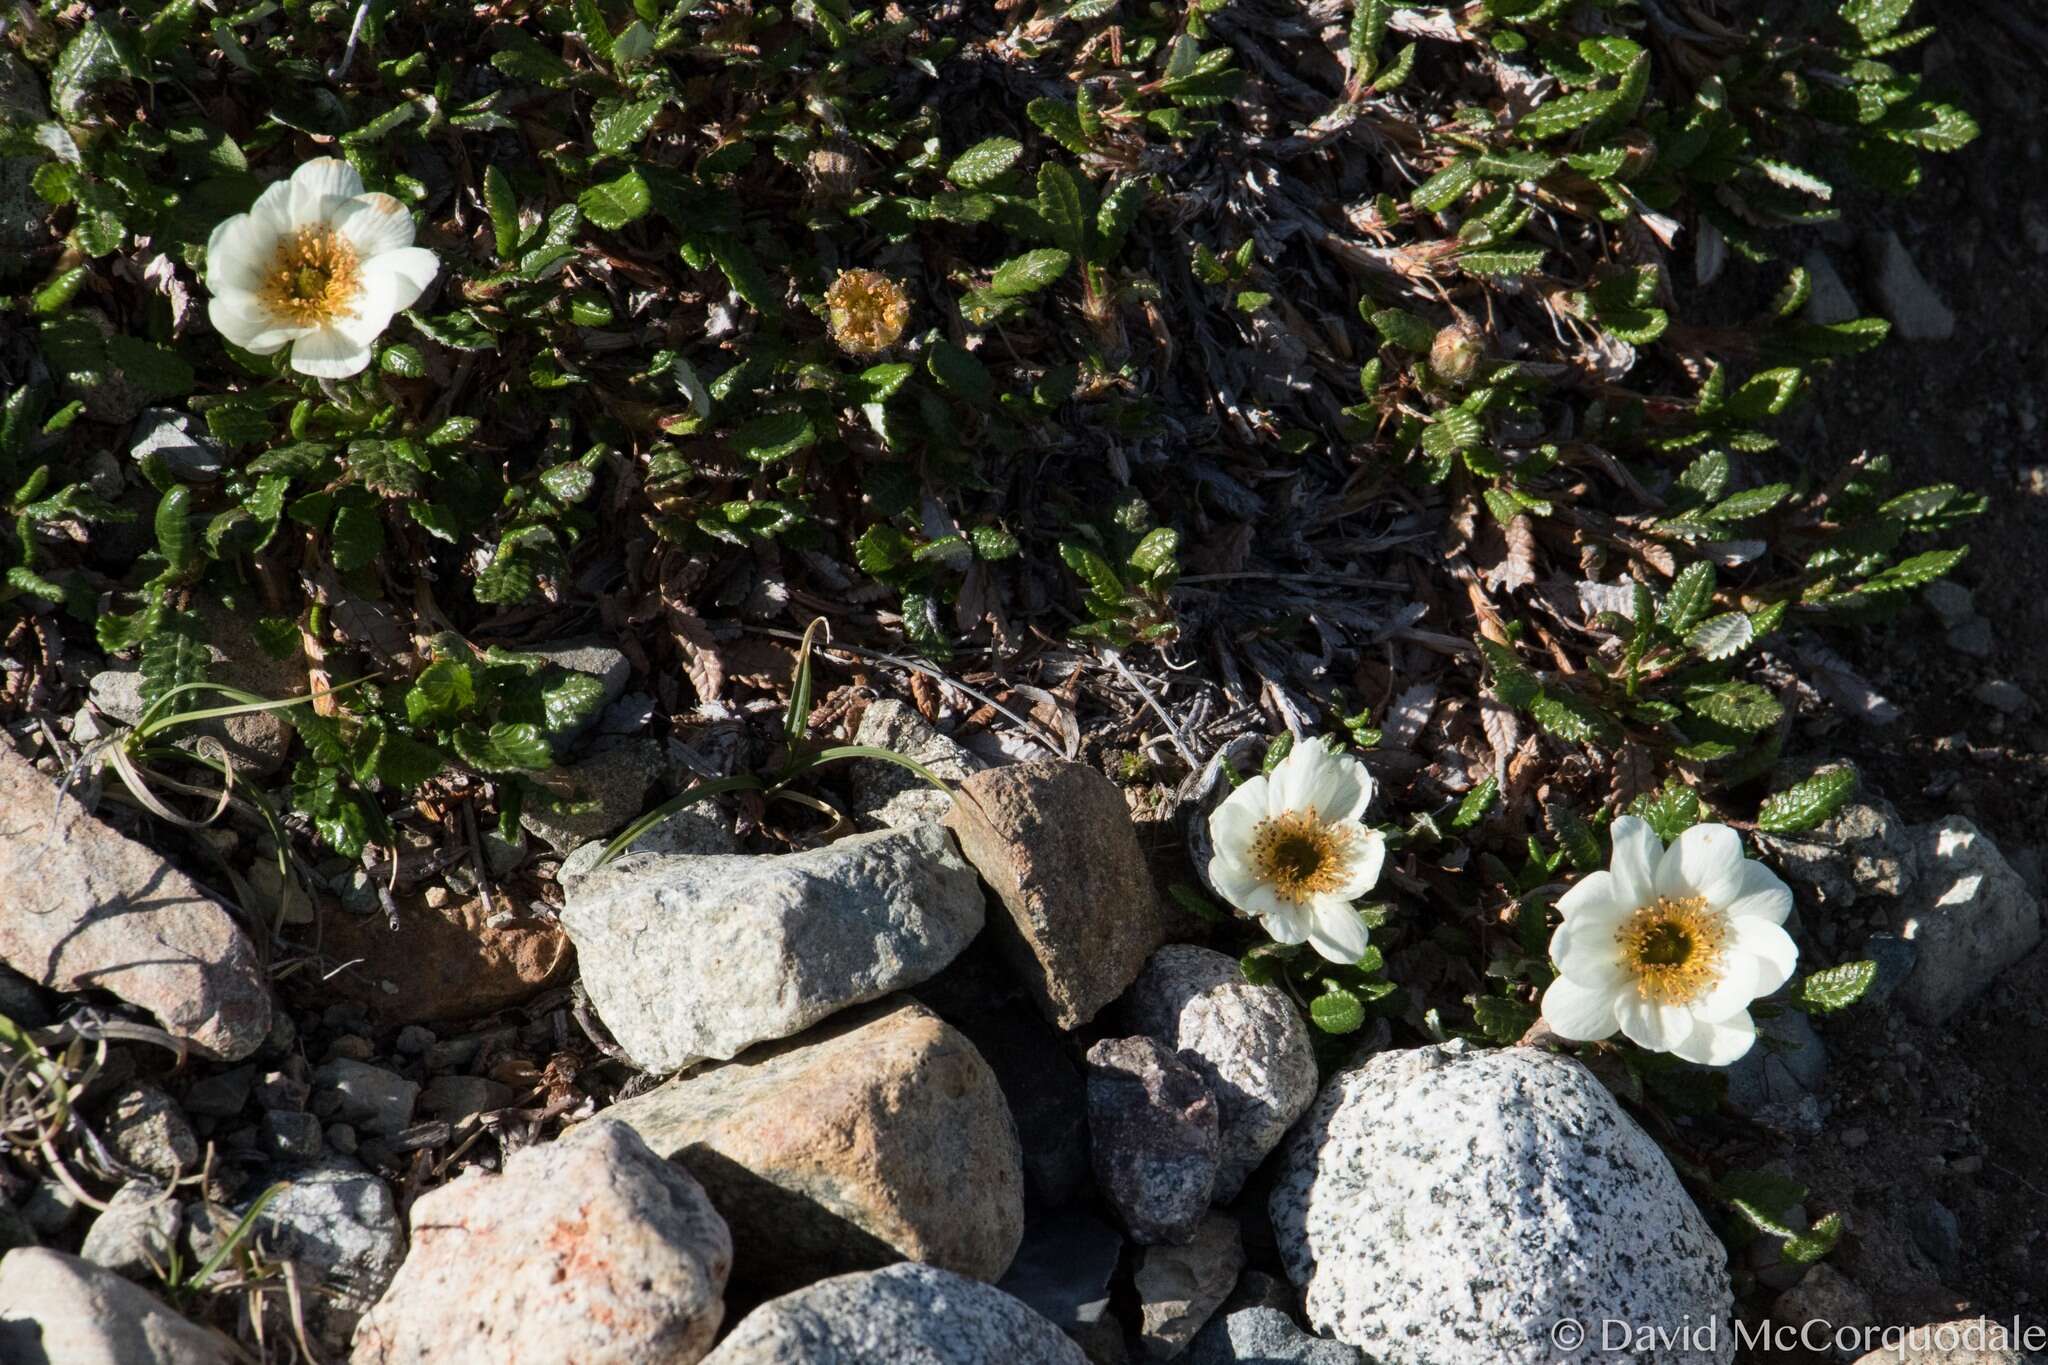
(1500, 1019)
(1566, 113)
(1446, 187)
(774, 436)
(1751, 502)
(1502, 262)
(1337, 1010)
(1569, 717)
(1748, 707)
(1836, 988)
(504, 748)
(1690, 595)
(1030, 272)
(1063, 208)
(985, 162)
(612, 204)
(1402, 328)
(1474, 807)
(1723, 636)
(618, 129)
(1806, 804)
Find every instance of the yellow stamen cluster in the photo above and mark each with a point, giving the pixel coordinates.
(312, 278)
(866, 311)
(1298, 855)
(1673, 949)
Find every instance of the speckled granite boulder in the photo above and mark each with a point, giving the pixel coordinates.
(1152, 1130)
(1248, 1042)
(1446, 1204)
(905, 1315)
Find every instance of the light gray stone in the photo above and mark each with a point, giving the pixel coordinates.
(605, 791)
(700, 829)
(112, 915)
(257, 741)
(1266, 1336)
(1153, 1133)
(1861, 852)
(372, 1098)
(1826, 1295)
(904, 1315)
(890, 795)
(1969, 918)
(2004, 697)
(180, 441)
(879, 1136)
(1916, 311)
(1951, 602)
(1446, 1203)
(596, 659)
(145, 1128)
(591, 1248)
(62, 1310)
(338, 1223)
(1180, 1286)
(1248, 1042)
(694, 957)
(1973, 637)
(136, 1233)
(1830, 300)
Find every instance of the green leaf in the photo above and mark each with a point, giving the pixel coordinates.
(1337, 1010)
(1446, 187)
(444, 690)
(1094, 570)
(1691, 594)
(1723, 636)
(985, 162)
(619, 128)
(775, 436)
(1569, 717)
(569, 701)
(1873, 19)
(357, 538)
(1032, 271)
(1836, 988)
(406, 764)
(1120, 208)
(1748, 707)
(1805, 804)
(1502, 262)
(614, 203)
(503, 748)
(1065, 211)
(175, 538)
(960, 373)
(1671, 812)
(1751, 502)
(1816, 1242)
(1921, 569)
(158, 371)
(1571, 111)
(1155, 553)
(1500, 1019)
(1402, 328)
(1475, 805)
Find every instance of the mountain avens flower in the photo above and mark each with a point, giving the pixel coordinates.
(1669, 945)
(866, 311)
(317, 265)
(1291, 848)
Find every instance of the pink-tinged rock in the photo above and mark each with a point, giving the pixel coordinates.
(90, 908)
(590, 1249)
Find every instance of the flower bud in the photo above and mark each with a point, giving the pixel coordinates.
(1455, 354)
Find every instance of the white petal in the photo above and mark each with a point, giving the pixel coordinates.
(1255, 792)
(1636, 851)
(366, 323)
(1731, 993)
(329, 353)
(1366, 853)
(1760, 895)
(1718, 1042)
(1285, 923)
(1588, 952)
(1596, 894)
(1232, 824)
(1774, 955)
(238, 252)
(1661, 1028)
(1233, 881)
(1296, 776)
(1706, 860)
(1580, 1013)
(1339, 789)
(273, 207)
(319, 187)
(1336, 931)
(240, 317)
(374, 223)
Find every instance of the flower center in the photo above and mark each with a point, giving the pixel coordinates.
(1673, 949)
(866, 311)
(313, 277)
(1299, 855)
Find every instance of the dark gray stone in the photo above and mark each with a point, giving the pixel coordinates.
(1266, 1336)
(1152, 1125)
(1064, 1268)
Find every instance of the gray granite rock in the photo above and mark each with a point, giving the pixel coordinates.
(696, 829)
(694, 957)
(334, 1220)
(1916, 311)
(1774, 1081)
(1266, 1336)
(1861, 852)
(63, 1310)
(114, 916)
(1248, 1042)
(220, 1094)
(1152, 1127)
(1969, 918)
(604, 792)
(290, 1134)
(1445, 1203)
(591, 1248)
(145, 1128)
(904, 1315)
(135, 1235)
(372, 1098)
(1180, 1286)
(1963, 1341)
(890, 795)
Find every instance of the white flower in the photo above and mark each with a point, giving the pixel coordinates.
(1291, 849)
(316, 265)
(1670, 945)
